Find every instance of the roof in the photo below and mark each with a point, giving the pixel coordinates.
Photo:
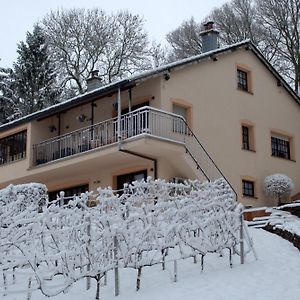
(132, 81)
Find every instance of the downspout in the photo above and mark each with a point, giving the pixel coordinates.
(92, 112)
(119, 119)
(92, 119)
(59, 124)
(145, 157)
(120, 137)
(130, 99)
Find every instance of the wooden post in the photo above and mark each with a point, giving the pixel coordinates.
(195, 259)
(116, 269)
(4, 283)
(14, 275)
(98, 287)
(230, 257)
(105, 279)
(29, 289)
(138, 279)
(242, 240)
(119, 118)
(163, 264)
(88, 267)
(175, 270)
(202, 262)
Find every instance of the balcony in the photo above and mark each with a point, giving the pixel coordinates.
(143, 121)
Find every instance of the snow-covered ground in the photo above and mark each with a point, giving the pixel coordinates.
(275, 275)
(285, 220)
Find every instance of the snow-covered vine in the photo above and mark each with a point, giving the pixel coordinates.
(64, 243)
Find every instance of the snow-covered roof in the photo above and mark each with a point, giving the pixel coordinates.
(131, 81)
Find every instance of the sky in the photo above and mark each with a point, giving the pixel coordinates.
(161, 16)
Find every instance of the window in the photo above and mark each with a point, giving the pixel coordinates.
(248, 188)
(248, 137)
(130, 177)
(280, 147)
(242, 80)
(13, 147)
(69, 192)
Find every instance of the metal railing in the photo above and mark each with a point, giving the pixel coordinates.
(145, 120)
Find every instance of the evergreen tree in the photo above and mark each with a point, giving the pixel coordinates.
(34, 79)
(7, 104)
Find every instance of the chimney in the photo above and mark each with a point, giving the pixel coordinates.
(209, 37)
(94, 82)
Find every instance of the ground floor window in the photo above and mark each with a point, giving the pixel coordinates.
(280, 147)
(248, 188)
(69, 192)
(130, 177)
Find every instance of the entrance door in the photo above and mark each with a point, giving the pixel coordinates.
(130, 177)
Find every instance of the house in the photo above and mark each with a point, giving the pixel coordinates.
(224, 113)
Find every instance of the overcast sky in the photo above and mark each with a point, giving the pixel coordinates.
(161, 16)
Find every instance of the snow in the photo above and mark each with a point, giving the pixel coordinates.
(285, 220)
(274, 276)
(187, 220)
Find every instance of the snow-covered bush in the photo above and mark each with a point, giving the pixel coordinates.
(278, 186)
(22, 195)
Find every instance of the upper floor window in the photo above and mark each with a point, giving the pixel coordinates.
(242, 80)
(13, 147)
(281, 147)
(248, 137)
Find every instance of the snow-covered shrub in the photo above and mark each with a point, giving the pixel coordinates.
(22, 195)
(278, 186)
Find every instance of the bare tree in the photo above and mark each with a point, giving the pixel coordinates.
(281, 23)
(85, 39)
(77, 38)
(185, 41)
(158, 54)
(237, 21)
(127, 48)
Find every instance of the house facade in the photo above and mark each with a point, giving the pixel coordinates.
(225, 113)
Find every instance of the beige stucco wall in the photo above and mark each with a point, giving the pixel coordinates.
(218, 108)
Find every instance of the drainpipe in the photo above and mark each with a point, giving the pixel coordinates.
(119, 119)
(130, 98)
(145, 157)
(59, 124)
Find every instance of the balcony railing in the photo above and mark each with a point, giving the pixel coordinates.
(143, 121)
